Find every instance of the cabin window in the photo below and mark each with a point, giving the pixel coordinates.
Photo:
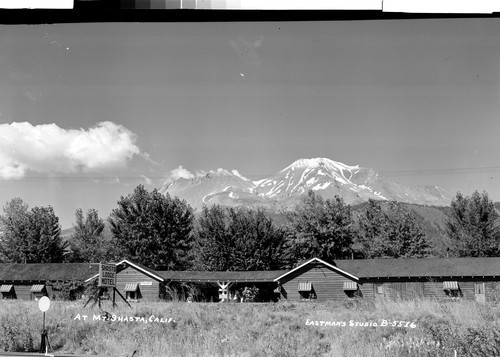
(452, 289)
(351, 289)
(307, 295)
(351, 294)
(8, 292)
(132, 292)
(453, 293)
(38, 291)
(379, 289)
(306, 291)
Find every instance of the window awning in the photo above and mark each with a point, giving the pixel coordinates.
(450, 285)
(37, 288)
(350, 285)
(5, 288)
(131, 287)
(305, 286)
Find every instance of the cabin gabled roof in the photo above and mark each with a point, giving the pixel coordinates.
(317, 260)
(124, 263)
(144, 269)
(214, 276)
(47, 271)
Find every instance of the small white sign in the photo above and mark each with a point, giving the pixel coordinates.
(44, 303)
(107, 275)
(146, 283)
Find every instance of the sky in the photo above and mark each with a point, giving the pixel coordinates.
(89, 111)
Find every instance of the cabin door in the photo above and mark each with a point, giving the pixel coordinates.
(479, 292)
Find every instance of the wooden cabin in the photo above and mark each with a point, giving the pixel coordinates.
(136, 282)
(469, 278)
(32, 281)
(316, 280)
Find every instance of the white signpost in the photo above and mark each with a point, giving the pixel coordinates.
(44, 305)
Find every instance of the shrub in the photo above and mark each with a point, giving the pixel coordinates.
(250, 294)
(66, 290)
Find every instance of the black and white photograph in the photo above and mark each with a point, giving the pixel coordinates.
(267, 187)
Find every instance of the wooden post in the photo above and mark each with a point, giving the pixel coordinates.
(115, 289)
(43, 343)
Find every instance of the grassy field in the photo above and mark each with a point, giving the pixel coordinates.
(428, 328)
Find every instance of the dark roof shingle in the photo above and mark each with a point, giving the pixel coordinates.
(48, 271)
(423, 267)
(361, 268)
(214, 276)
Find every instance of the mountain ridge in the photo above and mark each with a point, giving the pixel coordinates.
(284, 189)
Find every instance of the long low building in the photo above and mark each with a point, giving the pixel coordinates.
(470, 278)
(32, 281)
(314, 280)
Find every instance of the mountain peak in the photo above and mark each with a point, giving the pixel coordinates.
(319, 162)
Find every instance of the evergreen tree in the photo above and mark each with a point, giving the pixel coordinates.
(31, 236)
(13, 227)
(45, 237)
(392, 232)
(90, 242)
(319, 228)
(473, 226)
(153, 229)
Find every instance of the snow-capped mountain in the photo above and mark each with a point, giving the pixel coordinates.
(284, 189)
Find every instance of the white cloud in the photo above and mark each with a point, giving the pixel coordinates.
(220, 171)
(181, 172)
(48, 148)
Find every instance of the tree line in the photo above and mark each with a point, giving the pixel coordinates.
(163, 233)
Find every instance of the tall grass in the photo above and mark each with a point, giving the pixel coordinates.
(204, 329)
